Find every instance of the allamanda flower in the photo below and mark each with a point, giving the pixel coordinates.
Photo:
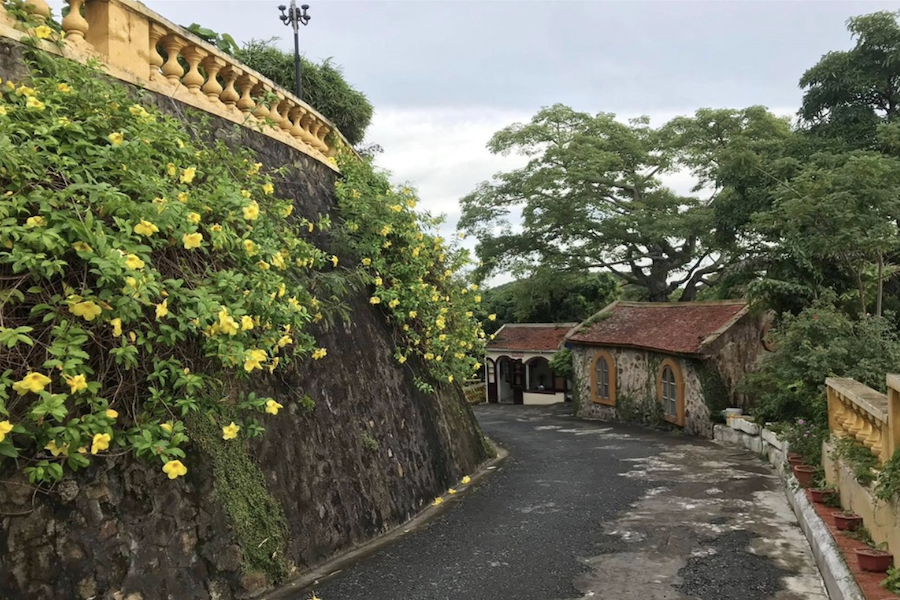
(101, 442)
(76, 383)
(230, 432)
(174, 469)
(87, 310)
(273, 407)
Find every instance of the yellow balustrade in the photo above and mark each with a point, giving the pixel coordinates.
(141, 47)
(870, 417)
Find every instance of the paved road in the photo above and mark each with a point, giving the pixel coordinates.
(583, 509)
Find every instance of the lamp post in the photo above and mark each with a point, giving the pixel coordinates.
(295, 17)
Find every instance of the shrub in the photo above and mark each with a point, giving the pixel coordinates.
(805, 437)
(820, 342)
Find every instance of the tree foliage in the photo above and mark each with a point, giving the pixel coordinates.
(324, 86)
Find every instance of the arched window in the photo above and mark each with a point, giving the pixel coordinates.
(603, 378)
(670, 391)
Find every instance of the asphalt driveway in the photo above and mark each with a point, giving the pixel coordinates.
(583, 509)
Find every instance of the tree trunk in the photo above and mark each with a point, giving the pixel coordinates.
(862, 291)
(880, 284)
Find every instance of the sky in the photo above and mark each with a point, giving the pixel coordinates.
(444, 75)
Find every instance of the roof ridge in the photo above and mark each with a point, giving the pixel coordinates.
(683, 304)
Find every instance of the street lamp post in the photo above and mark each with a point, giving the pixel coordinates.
(295, 17)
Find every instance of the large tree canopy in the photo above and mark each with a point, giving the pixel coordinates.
(591, 197)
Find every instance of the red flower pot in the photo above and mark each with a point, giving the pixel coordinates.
(794, 459)
(805, 475)
(846, 521)
(874, 561)
(821, 495)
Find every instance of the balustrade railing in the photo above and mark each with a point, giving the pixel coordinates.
(866, 415)
(140, 46)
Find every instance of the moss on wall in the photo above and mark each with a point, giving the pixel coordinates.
(256, 517)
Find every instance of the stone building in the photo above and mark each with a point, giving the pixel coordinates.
(681, 362)
(517, 365)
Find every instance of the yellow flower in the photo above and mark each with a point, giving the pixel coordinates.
(477, 299)
(254, 169)
(450, 378)
(5, 427)
(245, 194)
(3, 112)
(396, 208)
(437, 501)
(492, 317)
(385, 230)
(43, 32)
(192, 240)
(320, 353)
(440, 323)
(100, 443)
(249, 248)
(311, 226)
(374, 300)
(117, 326)
(182, 197)
(116, 138)
(167, 426)
(278, 261)
(393, 303)
(401, 359)
(253, 359)
(187, 175)
(111, 414)
(87, 310)
(451, 491)
(288, 210)
(23, 90)
(37, 221)
(145, 228)
(284, 341)
(193, 218)
(469, 313)
(54, 449)
(273, 407)
(76, 383)
(162, 309)
(378, 281)
(334, 261)
(246, 323)
(34, 104)
(466, 480)
(263, 265)
(429, 356)
(230, 432)
(251, 211)
(64, 88)
(367, 261)
(227, 324)
(413, 314)
(281, 290)
(294, 304)
(134, 263)
(174, 469)
(268, 188)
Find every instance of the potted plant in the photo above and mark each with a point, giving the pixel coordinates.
(821, 495)
(846, 521)
(805, 475)
(874, 560)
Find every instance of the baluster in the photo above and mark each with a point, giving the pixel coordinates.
(262, 110)
(156, 60)
(246, 103)
(283, 108)
(323, 133)
(172, 69)
(74, 24)
(230, 95)
(297, 131)
(863, 434)
(855, 424)
(194, 78)
(307, 123)
(874, 442)
(212, 88)
(39, 9)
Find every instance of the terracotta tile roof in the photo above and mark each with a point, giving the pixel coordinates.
(677, 327)
(536, 337)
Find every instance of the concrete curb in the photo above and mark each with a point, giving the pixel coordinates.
(306, 582)
(839, 581)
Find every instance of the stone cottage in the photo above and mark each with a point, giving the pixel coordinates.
(680, 361)
(517, 364)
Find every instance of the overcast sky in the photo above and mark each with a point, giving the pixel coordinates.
(445, 75)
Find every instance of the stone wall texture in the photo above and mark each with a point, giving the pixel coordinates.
(370, 455)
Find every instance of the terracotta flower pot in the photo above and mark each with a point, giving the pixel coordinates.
(846, 521)
(874, 561)
(805, 475)
(821, 495)
(794, 459)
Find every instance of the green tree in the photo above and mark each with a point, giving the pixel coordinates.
(324, 86)
(590, 197)
(548, 298)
